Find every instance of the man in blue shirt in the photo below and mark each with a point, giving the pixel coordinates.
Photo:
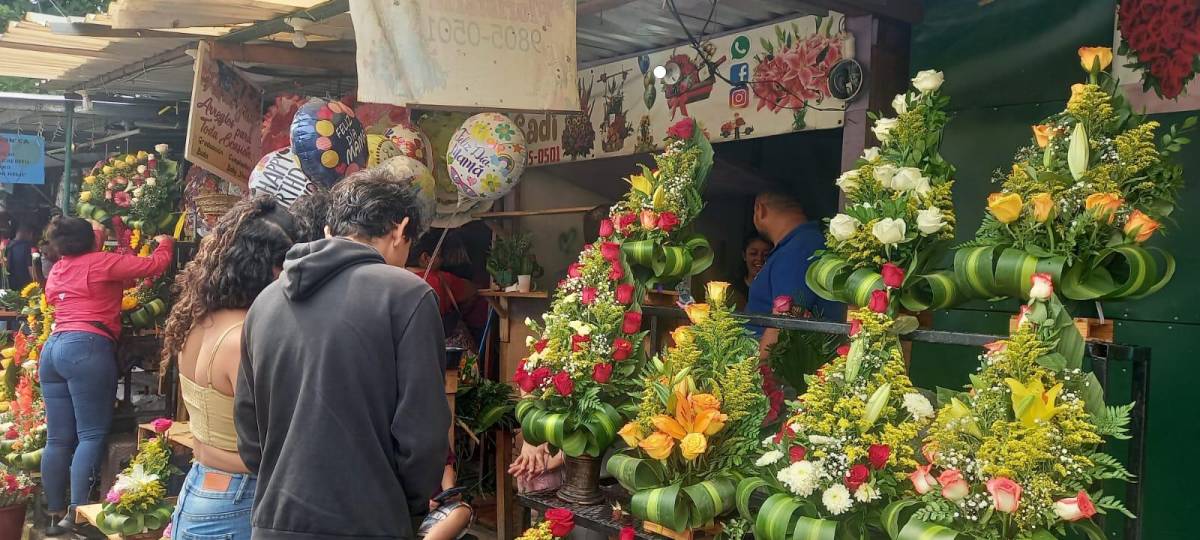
(781, 218)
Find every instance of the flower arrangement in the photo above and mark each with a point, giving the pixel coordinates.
(842, 455)
(137, 502)
(898, 209)
(698, 421)
(26, 437)
(143, 189)
(17, 488)
(557, 523)
(1081, 200)
(146, 304)
(1016, 456)
(1163, 39)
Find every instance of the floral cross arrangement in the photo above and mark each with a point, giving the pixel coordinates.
(1081, 200)
(587, 348)
(842, 455)
(142, 189)
(137, 502)
(1018, 455)
(556, 523)
(898, 208)
(698, 420)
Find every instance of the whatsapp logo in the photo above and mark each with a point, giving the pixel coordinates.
(740, 47)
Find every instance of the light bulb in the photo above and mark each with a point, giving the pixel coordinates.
(660, 72)
(299, 40)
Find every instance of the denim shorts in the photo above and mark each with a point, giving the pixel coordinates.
(208, 513)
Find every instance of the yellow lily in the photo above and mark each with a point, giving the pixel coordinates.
(1032, 403)
(690, 419)
(660, 198)
(640, 183)
(959, 412)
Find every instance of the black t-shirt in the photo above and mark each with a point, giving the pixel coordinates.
(20, 258)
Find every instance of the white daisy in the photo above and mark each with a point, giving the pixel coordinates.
(837, 499)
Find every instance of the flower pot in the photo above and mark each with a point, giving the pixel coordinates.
(12, 520)
(524, 283)
(581, 481)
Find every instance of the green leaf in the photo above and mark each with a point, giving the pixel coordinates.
(1093, 396)
(904, 324)
(1089, 527)
(1053, 361)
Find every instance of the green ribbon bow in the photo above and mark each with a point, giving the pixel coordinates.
(662, 263)
(780, 517)
(590, 437)
(674, 506)
(1121, 272)
(834, 279)
(110, 522)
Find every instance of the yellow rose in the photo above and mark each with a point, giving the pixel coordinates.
(1140, 226)
(632, 434)
(1005, 206)
(1088, 56)
(697, 313)
(682, 336)
(1042, 133)
(715, 291)
(142, 155)
(1043, 206)
(693, 446)
(85, 196)
(128, 303)
(705, 402)
(1076, 93)
(1105, 205)
(130, 160)
(107, 169)
(89, 179)
(658, 445)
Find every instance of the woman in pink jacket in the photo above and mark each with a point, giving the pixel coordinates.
(78, 369)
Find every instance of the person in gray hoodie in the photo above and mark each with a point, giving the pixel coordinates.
(340, 405)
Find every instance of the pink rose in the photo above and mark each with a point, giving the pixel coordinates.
(922, 481)
(1006, 494)
(161, 425)
(1023, 315)
(855, 327)
(563, 383)
(113, 497)
(588, 296)
(575, 270)
(879, 301)
(632, 322)
(682, 129)
(601, 373)
(1075, 508)
(667, 221)
(954, 486)
(606, 228)
(893, 276)
(611, 251)
(625, 293)
(649, 220)
(781, 305)
(622, 348)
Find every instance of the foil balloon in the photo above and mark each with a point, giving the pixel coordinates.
(411, 142)
(279, 175)
(416, 173)
(328, 140)
(486, 157)
(379, 149)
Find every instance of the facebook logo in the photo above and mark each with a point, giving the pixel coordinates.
(739, 73)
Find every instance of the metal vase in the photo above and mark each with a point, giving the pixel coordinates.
(581, 481)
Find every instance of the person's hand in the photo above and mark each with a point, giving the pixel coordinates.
(163, 238)
(433, 505)
(532, 461)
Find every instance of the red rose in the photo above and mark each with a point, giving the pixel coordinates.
(564, 384)
(858, 475)
(524, 380)
(632, 322)
(843, 349)
(577, 342)
(628, 533)
(878, 455)
(540, 375)
(879, 301)
(625, 221)
(540, 345)
(611, 251)
(622, 348)
(668, 221)
(588, 296)
(893, 276)
(625, 293)
(617, 272)
(855, 327)
(561, 529)
(575, 270)
(796, 453)
(781, 305)
(682, 129)
(601, 373)
(554, 515)
(606, 228)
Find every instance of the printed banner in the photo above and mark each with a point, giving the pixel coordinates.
(467, 54)
(225, 120)
(764, 81)
(22, 159)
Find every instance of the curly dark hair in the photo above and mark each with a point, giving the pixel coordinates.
(311, 213)
(372, 202)
(235, 262)
(71, 236)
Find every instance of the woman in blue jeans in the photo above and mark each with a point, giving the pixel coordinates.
(78, 370)
(242, 255)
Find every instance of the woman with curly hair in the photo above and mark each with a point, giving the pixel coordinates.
(241, 256)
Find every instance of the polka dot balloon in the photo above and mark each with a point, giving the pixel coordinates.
(328, 141)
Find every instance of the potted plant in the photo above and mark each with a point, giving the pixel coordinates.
(511, 262)
(137, 506)
(15, 492)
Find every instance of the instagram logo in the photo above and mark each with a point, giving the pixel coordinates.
(739, 97)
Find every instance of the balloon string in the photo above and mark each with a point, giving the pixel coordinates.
(437, 249)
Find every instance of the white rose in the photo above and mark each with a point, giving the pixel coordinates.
(883, 128)
(923, 186)
(900, 103)
(889, 231)
(848, 181)
(137, 192)
(907, 179)
(141, 169)
(842, 227)
(928, 80)
(150, 181)
(161, 148)
(529, 341)
(884, 174)
(871, 154)
(930, 221)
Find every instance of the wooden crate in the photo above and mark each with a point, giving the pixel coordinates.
(1090, 329)
(690, 534)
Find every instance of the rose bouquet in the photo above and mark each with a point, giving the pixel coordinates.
(137, 502)
(142, 189)
(898, 209)
(1081, 199)
(1162, 37)
(841, 456)
(556, 523)
(17, 488)
(1017, 456)
(698, 421)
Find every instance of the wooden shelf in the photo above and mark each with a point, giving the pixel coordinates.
(530, 213)
(503, 294)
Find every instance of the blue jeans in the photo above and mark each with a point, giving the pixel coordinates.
(212, 514)
(79, 384)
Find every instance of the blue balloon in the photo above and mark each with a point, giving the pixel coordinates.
(328, 140)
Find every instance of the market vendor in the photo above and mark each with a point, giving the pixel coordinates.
(780, 218)
(458, 300)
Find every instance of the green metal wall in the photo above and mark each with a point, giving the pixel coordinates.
(1009, 64)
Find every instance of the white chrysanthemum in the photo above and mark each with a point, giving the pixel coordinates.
(768, 441)
(821, 439)
(837, 499)
(799, 477)
(918, 406)
(866, 493)
(769, 458)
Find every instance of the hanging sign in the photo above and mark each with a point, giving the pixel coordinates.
(467, 54)
(764, 81)
(22, 159)
(224, 123)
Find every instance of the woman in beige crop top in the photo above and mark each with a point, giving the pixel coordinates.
(241, 256)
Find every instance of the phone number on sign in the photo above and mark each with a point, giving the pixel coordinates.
(500, 36)
(544, 156)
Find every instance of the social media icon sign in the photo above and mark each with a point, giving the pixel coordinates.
(740, 48)
(739, 73)
(739, 97)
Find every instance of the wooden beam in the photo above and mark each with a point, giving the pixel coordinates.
(909, 11)
(285, 55)
(87, 53)
(881, 46)
(105, 31)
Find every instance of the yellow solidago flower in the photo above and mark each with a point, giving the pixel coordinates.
(1032, 403)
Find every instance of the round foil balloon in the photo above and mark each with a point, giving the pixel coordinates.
(411, 142)
(379, 150)
(279, 174)
(486, 157)
(328, 140)
(416, 173)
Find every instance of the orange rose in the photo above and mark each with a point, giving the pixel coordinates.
(697, 313)
(1043, 206)
(1089, 56)
(658, 446)
(632, 434)
(1105, 205)
(704, 402)
(1140, 226)
(1042, 133)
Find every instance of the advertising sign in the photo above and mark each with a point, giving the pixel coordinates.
(224, 123)
(22, 159)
